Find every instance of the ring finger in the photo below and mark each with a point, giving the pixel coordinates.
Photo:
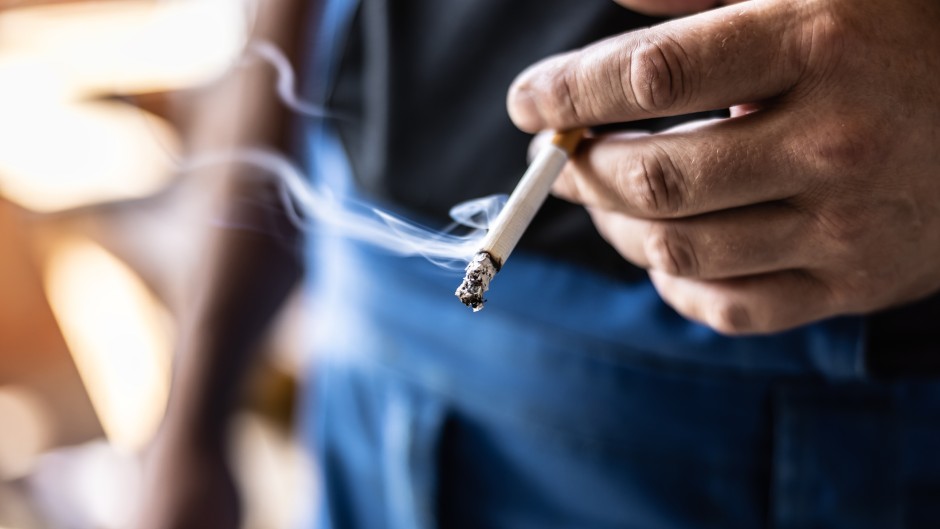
(738, 242)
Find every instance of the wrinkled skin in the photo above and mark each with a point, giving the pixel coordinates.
(820, 196)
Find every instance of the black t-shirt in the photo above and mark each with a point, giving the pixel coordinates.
(424, 83)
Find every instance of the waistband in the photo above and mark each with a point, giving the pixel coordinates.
(535, 303)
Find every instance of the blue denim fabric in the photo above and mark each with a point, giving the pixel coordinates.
(528, 415)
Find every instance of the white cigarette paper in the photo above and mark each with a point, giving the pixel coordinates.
(523, 204)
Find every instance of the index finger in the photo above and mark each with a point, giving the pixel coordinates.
(737, 54)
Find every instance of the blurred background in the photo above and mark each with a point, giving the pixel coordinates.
(98, 235)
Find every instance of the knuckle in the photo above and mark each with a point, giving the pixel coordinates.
(823, 37)
(729, 317)
(562, 99)
(848, 148)
(649, 183)
(658, 79)
(669, 250)
(844, 228)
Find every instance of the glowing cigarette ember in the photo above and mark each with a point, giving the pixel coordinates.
(523, 204)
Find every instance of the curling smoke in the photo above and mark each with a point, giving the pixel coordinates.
(315, 206)
(310, 205)
(286, 80)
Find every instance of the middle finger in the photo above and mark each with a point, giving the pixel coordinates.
(687, 171)
(740, 242)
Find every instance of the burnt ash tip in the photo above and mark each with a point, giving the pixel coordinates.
(476, 282)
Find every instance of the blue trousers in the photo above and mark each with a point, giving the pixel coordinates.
(574, 401)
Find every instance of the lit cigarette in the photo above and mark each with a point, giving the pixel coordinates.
(516, 216)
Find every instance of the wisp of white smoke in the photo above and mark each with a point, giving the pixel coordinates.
(315, 205)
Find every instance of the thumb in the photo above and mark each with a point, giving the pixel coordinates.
(717, 59)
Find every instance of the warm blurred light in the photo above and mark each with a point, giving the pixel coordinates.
(66, 155)
(274, 474)
(27, 428)
(130, 46)
(119, 337)
(87, 486)
(60, 150)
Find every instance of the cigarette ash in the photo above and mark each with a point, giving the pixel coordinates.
(476, 282)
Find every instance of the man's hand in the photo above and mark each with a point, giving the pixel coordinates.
(820, 196)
